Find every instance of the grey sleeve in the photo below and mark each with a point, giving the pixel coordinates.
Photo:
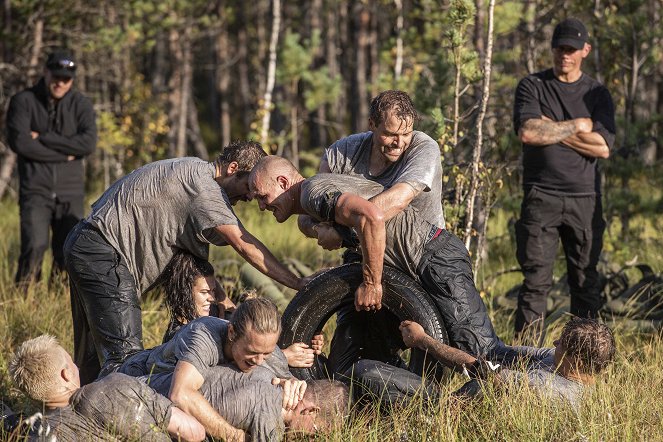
(125, 406)
(419, 168)
(212, 208)
(196, 346)
(277, 363)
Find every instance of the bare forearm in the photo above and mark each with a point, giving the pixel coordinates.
(543, 132)
(215, 425)
(395, 199)
(262, 259)
(449, 356)
(372, 237)
(590, 144)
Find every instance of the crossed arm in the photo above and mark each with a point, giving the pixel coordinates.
(576, 134)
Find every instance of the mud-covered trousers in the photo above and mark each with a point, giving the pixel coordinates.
(546, 217)
(104, 303)
(445, 273)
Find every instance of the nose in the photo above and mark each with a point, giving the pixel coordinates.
(258, 360)
(261, 204)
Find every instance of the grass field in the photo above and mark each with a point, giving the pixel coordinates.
(627, 403)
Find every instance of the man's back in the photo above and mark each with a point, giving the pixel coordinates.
(161, 206)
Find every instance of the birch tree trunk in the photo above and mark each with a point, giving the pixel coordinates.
(37, 43)
(476, 156)
(271, 71)
(360, 105)
(398, 65)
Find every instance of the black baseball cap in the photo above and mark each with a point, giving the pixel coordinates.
(61, 64)
(570, 32)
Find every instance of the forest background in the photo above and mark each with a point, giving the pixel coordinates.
(185, 77)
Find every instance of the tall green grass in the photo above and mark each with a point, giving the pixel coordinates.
(627, 403)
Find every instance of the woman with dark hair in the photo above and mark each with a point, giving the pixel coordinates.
(191, 291)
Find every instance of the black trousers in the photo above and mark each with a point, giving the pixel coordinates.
(445, 273)
(377, 382)
(546, 217)
(38, 213)
(104, 304)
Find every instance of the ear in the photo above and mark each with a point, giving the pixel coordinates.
(283, 182)
(66, 374)
(371, 124)
(232, 168)
(231, 333)
(586, 50)
(311, 409)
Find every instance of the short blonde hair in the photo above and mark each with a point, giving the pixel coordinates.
(35, 366)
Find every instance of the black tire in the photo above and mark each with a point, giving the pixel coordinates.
(312, 307)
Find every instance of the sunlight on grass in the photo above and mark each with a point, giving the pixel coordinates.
(625, 404)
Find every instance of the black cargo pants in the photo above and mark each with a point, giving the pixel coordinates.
(104, 303)
(38, 213)
(545, 218)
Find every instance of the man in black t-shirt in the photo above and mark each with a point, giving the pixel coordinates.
(565, 120)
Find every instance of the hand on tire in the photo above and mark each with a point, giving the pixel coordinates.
(368, 297)
(300, 355)
(293, 391)
(317, 343)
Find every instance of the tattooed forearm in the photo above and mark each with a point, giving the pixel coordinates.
(544, 132)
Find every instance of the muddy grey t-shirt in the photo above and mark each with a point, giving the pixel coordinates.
(125, 406)
(420, 166)
(247, 400)
(406, 233)
(161, 206)
(117, 407)
(67, 425)
(541, 377)
(200, 342)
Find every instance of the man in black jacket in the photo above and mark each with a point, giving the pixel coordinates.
(51, 127)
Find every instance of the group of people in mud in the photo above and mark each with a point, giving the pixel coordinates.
(220, 372)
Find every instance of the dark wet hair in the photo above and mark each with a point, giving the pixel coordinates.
(245, 153)
(396, 102)
(589, 343)
(179, 276)
(259, 314)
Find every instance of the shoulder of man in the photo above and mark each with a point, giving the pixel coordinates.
(353, 140)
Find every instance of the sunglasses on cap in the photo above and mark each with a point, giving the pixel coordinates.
(62, 64)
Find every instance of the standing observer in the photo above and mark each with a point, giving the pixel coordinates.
(51, 127)
(566, 122)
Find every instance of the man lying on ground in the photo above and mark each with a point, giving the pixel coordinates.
(117, 406)
(434, 257)
(584, 349)
(176, 368)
